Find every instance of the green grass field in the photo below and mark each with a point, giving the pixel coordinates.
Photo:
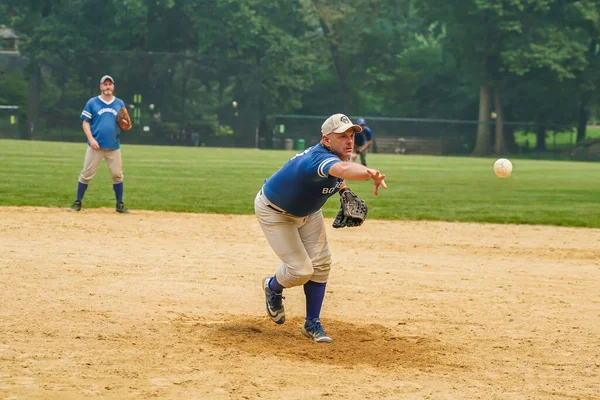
(219, 180)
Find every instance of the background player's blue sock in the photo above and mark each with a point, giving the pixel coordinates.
(275, 286)
(315, 293)
(118, 187)
(81, 188)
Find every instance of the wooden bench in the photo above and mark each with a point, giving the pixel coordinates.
(408, 145)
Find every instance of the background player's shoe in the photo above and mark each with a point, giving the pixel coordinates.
(313, 329)
(76, 206)
(274, 303)
(121, 209)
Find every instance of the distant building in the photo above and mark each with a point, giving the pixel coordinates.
(10, 57)
(9, 40)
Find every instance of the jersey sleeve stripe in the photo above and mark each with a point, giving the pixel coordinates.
(86, 114)
(321, 169)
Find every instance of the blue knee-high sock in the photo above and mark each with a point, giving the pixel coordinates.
(315, 293)
(118, 187)
(275, 286)
(81, 188)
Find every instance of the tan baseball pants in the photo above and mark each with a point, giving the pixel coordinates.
(92, 161)
(299, 242)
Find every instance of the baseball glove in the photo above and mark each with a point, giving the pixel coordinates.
(353, 210)
(123, 119)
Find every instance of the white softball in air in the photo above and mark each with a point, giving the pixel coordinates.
(503, 168)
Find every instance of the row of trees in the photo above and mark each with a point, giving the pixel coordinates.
(523, 60)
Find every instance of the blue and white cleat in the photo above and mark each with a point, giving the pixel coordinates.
(313, 329)
(274, 303)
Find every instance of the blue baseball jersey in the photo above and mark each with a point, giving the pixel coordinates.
(303, 184)
(363, 137)
(102, 117)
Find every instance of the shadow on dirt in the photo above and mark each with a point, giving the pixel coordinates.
(354, 344)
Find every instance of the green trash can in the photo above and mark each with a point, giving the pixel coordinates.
(300, 144)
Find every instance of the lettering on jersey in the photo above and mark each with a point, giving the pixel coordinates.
(111, 110)
(333, 188)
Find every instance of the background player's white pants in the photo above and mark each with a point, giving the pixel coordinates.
(299, 242)
(92, 161)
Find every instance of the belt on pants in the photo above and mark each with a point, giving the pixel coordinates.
(274, 209)
(280, 211)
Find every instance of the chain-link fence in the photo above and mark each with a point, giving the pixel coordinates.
(447, 136)
(422, 135)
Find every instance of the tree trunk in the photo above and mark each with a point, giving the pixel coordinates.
(500, 144)
(509, 139)
(337, 62)
(220, 85)
(540, 144)
(263, 130)
(33, 102)
(584, 115)
(586, 97)
(184, 83)
(482, 144)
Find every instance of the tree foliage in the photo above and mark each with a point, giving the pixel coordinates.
(525, 60)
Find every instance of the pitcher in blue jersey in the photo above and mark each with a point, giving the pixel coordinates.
(103, 134)
(288, 208)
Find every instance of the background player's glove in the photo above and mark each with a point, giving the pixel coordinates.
(123, 119)
(353, 210)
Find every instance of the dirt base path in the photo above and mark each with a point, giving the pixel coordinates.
(167, 305)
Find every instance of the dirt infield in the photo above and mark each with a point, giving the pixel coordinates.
(166, 305)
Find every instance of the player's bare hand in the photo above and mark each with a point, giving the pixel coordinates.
(378, 180)
(94, 144)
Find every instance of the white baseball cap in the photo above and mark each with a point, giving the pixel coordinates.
(338, 123)
(105, 77)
